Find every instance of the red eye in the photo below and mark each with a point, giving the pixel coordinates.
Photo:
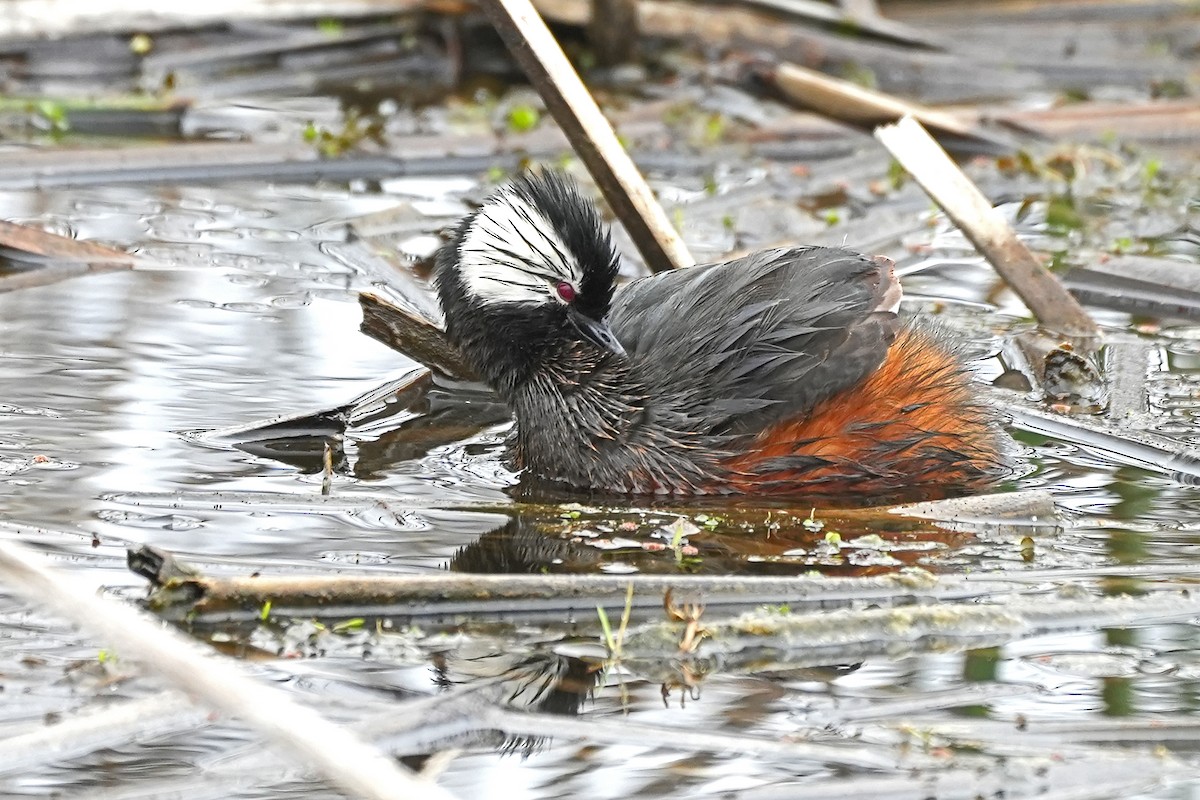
(565, 291)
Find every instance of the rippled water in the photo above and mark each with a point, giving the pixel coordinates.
(241, 312)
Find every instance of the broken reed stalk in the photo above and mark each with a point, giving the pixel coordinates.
(344, 758)
(760, 22)
(1146, 449)
(943, 181)
(33, 240)
(415, 336)
(535, 49)
(68, 258)
(857, 105)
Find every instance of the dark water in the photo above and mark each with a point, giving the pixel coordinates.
(242, 313)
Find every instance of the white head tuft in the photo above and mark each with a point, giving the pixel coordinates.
(511, 253)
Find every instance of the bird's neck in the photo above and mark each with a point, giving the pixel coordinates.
(575, 413)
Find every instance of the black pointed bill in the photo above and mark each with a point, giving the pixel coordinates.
(596, 331)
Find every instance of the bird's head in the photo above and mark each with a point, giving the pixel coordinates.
(530, 270)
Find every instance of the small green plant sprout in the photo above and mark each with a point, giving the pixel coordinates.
(610, 641)
(523, 118)
(812, 523)
(345, 626)
(140, 44)
(356, 128)
(264, 613)
(677, 217)
(896, 174)
(679, 530)
(54, 114)
(1150, 171)
(333, 28)
(614, 642)
(714, 128)
(833, 539)
(104, 656)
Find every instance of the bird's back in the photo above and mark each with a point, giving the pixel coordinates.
(740, 345)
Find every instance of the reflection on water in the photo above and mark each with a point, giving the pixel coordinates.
(239, 316)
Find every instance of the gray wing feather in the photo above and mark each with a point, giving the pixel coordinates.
(736, 346)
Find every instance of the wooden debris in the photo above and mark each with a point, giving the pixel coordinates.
(182, 593)
(612, 30)
(36, 18)
(413, 335)
(53, 273)
(858, 633)
(56, 257)
(184, 161)
(594, 140)
(860, 16)
(1142, 448)
(1110, 288)
(857, 105)
(33, 240)
(921, 156)
(912, 71)
(1166, 272)
(860, 9)
(828, 624)
(209, 162)
(1159, 121)
(341, 756)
